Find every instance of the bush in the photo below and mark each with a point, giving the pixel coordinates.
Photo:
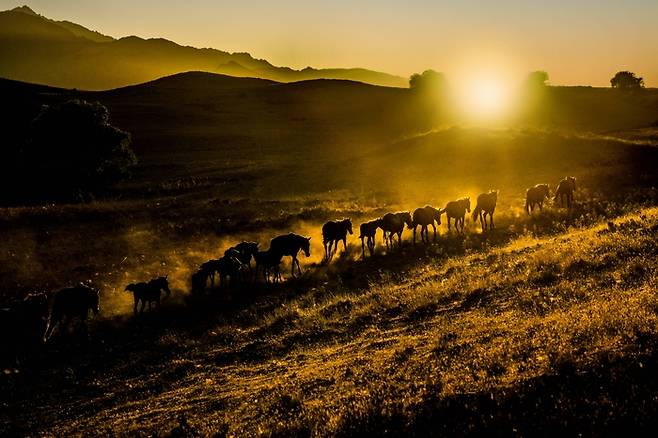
(71, 152)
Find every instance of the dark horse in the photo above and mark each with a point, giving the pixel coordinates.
(148, 292)
(392, 224)
(565, 190)
(368, 231)
(425, 216)
(226, 267)
(243, 251)
(457, 210)
(72, 302)
(290, 245)
(486, 205)
(535, 196)
(269, 262)
(332, 233)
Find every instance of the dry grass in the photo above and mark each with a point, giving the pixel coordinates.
(517, 336)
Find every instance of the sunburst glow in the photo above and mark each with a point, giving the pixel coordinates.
(484, 97)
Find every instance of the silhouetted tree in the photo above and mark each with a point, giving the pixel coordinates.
(537, 79)
(626, 80)
(429, 80)
(73, 152)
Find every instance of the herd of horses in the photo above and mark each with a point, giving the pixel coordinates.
(39, 320)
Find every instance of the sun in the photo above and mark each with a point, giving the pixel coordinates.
(485, 96)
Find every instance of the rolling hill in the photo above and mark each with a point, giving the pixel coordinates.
(64, 54)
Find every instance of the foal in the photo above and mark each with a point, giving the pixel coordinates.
(368, 231)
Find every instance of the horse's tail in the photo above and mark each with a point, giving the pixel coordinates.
(476, 212)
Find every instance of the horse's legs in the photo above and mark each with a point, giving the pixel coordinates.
(491, 222)
(448, 217)
(135, 306)
(299, 266)
(141, 311)
(434, 228)
(400, 239)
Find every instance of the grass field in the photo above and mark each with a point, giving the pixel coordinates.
(495, 330)
(546, 323)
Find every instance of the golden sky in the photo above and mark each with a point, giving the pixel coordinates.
(576, 42)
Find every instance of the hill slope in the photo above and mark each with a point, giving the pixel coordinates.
(64, 54)
(554, 334)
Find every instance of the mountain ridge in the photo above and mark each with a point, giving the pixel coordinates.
(64, 54)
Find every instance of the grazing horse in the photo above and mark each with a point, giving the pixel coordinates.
(269, 262)
(72, 302)
(368, 231)
(425, 216)
(486, 205)
(332, 233)
(565, 189)
(392, 224)
(148, 292)
(535, 196)
(243, 251)
(457, 210)
(290, 245)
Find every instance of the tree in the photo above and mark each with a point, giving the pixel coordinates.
(626, 80)
(537, 79)
(74, 152)
(429, 80)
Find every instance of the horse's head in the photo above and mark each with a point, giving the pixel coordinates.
(306, 246)
(348, 225)
(130, 288)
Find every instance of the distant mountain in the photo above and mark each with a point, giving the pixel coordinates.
(36, 49)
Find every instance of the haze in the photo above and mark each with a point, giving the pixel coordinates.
(577, 42)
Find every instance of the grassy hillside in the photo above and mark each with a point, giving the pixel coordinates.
(64, 54)
(512, 333)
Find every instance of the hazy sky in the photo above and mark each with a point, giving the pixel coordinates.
(576, 41)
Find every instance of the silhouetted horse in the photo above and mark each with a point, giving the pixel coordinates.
(565, 189)
(486, 205)
(457, 210)
(368, 231)
(535, 196)
(22, 327)
(148, 292)
(243, 251)
(425, 216)
(332, 233)
(290, 245)
(226, 267)
(269, 262)
(392, 224)
(72, 302)
(199, 280)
